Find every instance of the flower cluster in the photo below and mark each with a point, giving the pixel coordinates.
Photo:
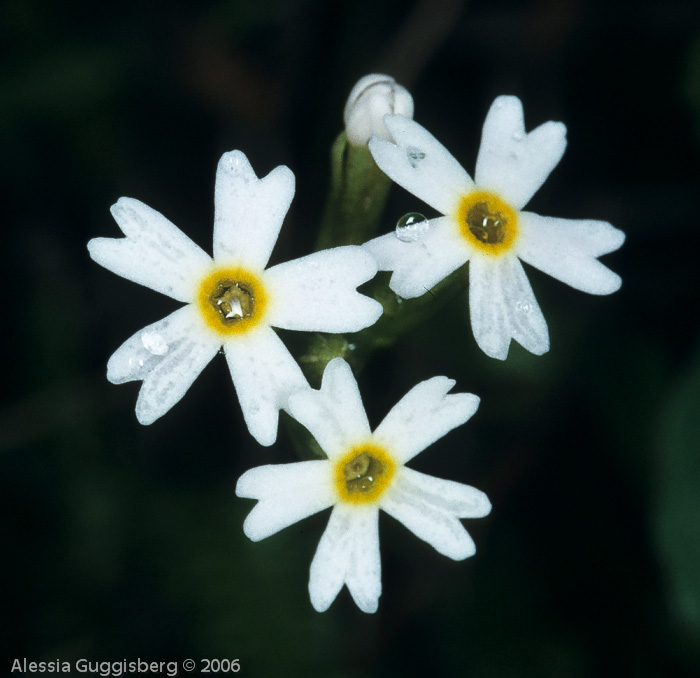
(233, 301)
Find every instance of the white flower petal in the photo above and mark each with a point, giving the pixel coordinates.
(334, 415)
(503, 307)
(457, 499)
(146, 349)
(416, 501)
(317, 292)
(168, 356)
(264, 375)
(348, 553)
(512, 163)
(248, 212)
(155, 252)
(425, 414)
(567, 249)
(421, 264)
(264, 482)
(287, 493)
(421, 164)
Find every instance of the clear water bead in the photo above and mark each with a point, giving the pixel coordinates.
(411, 227)
(154, 343)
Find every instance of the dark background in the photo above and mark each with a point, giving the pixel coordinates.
(122, 541)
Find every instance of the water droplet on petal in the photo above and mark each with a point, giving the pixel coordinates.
(518, 136)
(411, 227)
(414, 155)
(154, 343)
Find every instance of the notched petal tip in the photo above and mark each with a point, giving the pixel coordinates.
(442, 383)
(425, 414)
(318, 293)
(493, 345)
(498, 347)
(237, 166)
(568, 250)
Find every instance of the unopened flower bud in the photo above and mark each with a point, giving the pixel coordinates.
(370, 100)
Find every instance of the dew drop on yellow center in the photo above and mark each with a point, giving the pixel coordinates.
(487, 222)
(363, 474)
(231, 300)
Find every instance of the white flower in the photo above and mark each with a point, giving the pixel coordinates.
(369, 101)
(485, 225)
(365, 472)
(232, 300)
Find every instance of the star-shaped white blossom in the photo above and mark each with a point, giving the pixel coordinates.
(365, 471)
(484, 224)
(232, 300)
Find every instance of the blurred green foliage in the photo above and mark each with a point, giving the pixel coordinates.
(677, 506)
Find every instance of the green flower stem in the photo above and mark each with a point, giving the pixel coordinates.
(357, 197)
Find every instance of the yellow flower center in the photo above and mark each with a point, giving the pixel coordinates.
(363, 474)
(487, 222)
(231, 300)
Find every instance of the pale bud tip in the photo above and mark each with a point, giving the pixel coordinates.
(370, 100)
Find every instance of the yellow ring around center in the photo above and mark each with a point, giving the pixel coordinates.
(246, 279)
(379, 484)
(495, 206)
